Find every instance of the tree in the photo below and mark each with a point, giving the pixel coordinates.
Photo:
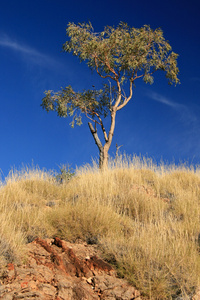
(120, 55)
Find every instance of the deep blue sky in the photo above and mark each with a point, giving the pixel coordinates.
(161, 121)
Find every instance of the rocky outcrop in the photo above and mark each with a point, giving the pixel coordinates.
(56, 269)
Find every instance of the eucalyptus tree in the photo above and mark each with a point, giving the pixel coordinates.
(120, 56)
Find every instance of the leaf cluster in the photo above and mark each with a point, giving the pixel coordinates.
(121, 55)
(67, 102)
(123, 52)
(66, 174)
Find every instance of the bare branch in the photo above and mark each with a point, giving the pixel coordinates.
(111, 100)
(127, 99)
(95, 136)
(95, 121)
(124, 94)
(117, 152)
(102, 127)
(119, 96)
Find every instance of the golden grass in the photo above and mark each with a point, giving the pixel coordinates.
(144, 217)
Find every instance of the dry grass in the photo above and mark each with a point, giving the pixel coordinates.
(144, 217)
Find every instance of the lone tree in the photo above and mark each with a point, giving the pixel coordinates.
(121, 55)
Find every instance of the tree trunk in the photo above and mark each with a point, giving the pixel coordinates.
(103, 159)
(103, 150)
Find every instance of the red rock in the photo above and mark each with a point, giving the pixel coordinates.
(59, 270)
(11, 266)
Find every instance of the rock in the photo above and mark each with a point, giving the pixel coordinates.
(58, 270)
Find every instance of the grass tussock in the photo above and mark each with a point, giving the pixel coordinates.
(144, 217)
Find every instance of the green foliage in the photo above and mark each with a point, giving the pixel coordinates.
(69, 103)
(123, 51)
(121, 54)
(66, 173)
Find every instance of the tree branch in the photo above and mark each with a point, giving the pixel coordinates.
(97, 69)
(119, 95)
(95, 121)
(127, 99)
(100, 123)
(112, 70)
(95, 136)
(102, 127)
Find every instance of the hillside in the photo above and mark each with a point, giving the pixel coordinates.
(142, 218)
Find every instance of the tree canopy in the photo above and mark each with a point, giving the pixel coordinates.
(119, 55)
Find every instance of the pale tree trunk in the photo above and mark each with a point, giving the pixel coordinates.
(103, 159)
(103, 150)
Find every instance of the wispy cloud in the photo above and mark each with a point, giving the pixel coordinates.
(162, 99)
(27, 52)
(184, 142)
(185, 114)
(197, 79)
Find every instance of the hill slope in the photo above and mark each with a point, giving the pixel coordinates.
(143, 218)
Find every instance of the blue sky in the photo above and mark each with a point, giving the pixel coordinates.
(161, 121)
